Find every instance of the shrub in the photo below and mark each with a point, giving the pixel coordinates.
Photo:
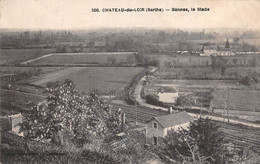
(154, 100)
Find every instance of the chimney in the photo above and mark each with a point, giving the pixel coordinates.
(170, 110)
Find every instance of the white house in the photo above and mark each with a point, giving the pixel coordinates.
(157, 127)
(225, 52)
(209, 50)
(167, 94)
(216, 50)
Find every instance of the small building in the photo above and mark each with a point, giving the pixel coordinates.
(209, 50)
(157, 127)
(167, 95)
(225, 52)
(217, 50)
(11, 123)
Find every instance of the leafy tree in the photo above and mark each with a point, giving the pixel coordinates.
(91, 44)
(214, 63)
(179, 147)
(223, 65)
(153, 62)
(201, 143)
(248, 81)
(130, 59)
(184, 101)
(111, 60)
(153, 99)
(114, 122)
(248, 48)
(254, 62)
(168, 64)
(219, 62)
(208, 137)
(66, 110)
(236, 39)
(235, 61)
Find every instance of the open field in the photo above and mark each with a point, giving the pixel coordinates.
(207, 73)
(243, 100)
(81, 58)
(203, 84)
(240, 97)
(198, 61)
(16, 56)
(8, 70)
(190, 86)
(86, 79)
(252, 116)
(241, 70)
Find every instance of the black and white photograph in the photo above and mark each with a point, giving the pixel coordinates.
(130, 81)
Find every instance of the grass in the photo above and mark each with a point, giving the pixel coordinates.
(198, 61)
(16, 56)
(243, 100)
(81, 58)
(86, 79)
(207, 73)
(8, 70)
(251, 116)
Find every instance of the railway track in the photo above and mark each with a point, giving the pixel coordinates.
(244, 142)
(242, 136)
(248, 130)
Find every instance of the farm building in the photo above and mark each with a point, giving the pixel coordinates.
(167, 94)
(157, 127)
(210, 50)
(225, 52)
(216, 50)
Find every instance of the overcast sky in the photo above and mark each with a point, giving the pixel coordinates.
(70, 14)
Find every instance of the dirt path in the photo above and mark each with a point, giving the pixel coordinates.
(32, 60)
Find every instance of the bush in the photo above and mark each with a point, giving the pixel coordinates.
(248, 81)
(154, 100)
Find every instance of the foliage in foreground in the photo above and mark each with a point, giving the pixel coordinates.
(67, 116)
(201, 143)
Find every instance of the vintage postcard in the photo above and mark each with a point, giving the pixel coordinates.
(130, 81)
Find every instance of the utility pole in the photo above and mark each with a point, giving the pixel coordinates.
(110, 98)
(95, 81)
(228, 104)
(90, 77)
(200, 109)
(135, 111)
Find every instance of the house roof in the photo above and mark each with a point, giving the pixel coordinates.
(174, 119)
(223, 49)
(209, 47)
(167, 89)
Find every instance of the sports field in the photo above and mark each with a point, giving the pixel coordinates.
(80, 58)
(86, 79)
